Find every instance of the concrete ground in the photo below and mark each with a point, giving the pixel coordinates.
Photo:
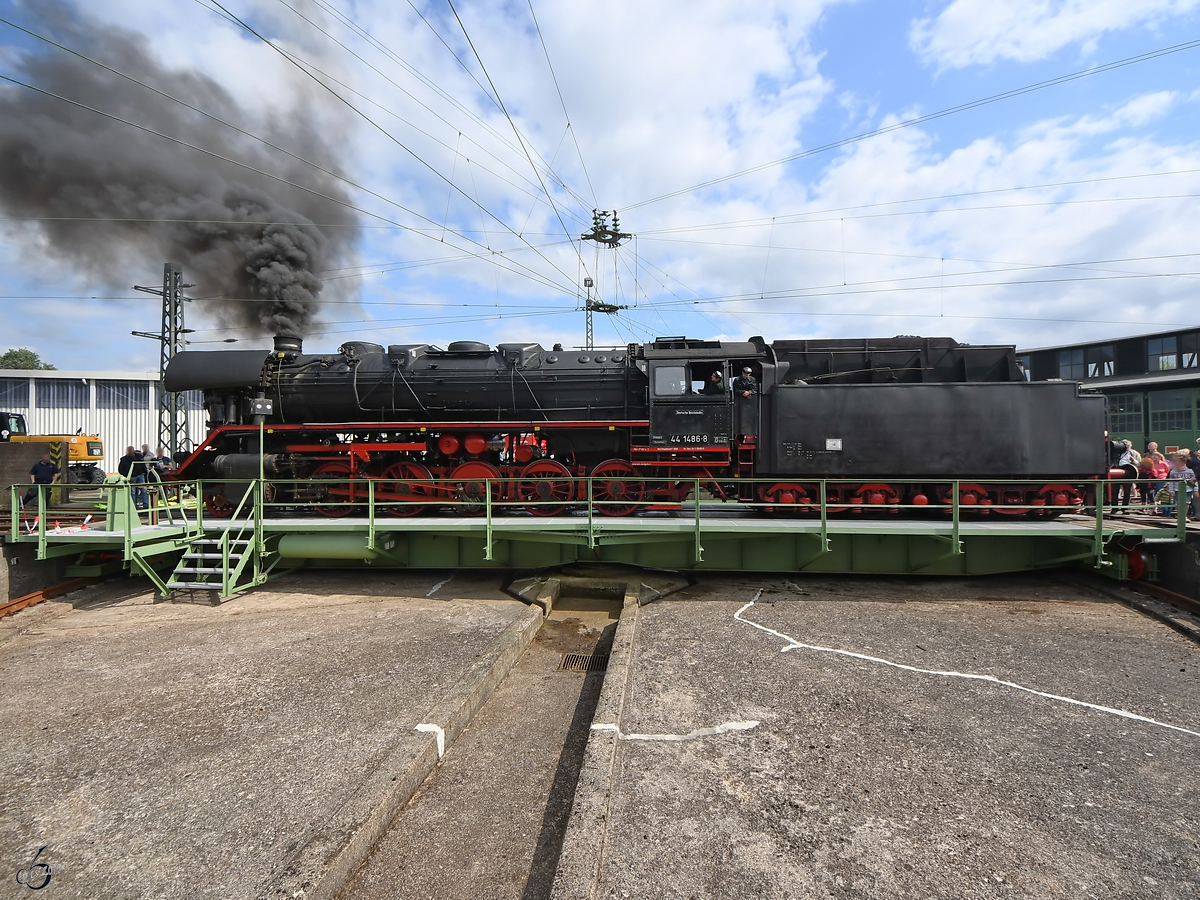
(864, 779)
(185, 750)
(490, 820)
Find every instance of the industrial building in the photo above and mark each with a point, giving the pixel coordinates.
(1152, 382)
(121, 407)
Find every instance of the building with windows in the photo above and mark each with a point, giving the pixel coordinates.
(121, 407)
(1152, 382)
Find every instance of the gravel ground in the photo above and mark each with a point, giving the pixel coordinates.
(185, 750)
(864, 780)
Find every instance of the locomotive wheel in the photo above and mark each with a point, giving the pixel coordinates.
(972, 498)
(785, 497)
(547, 486)
(407, 482)
(1058, 499)
(216, 504)
(1012, 501)
(878, 495)
(469, 485)
(618, 489)
(331, 491)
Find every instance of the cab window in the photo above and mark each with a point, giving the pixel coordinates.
(670, 381)
(15, 424)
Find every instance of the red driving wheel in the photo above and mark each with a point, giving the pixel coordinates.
(401, 485)
(216, 504)
(469, 486)
(330, 489)
(546, 486)
(617, 489)
(785, 496)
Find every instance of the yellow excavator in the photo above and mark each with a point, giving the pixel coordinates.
(84, 452)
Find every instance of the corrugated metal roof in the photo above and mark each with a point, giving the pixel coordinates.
(90, 375)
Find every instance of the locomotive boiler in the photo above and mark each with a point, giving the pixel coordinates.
(893, 422)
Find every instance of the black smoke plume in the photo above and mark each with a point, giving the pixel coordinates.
(251, 243)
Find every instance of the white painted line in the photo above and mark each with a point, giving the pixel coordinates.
(430, 728)
(441, 584)
(793, 644)
(690, 736)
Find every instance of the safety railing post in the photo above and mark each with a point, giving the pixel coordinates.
(260, 497)
(371, 513)
(956, 545)
(14, 509)
(487, 505)
(1098, 547)
(225, 562)
(127, 488)
(41, 498)
(696, 505)
(824, 493)
(1182, 502)
(199, 508)
(591, 516)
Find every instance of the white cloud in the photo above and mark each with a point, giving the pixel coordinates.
(974, 32)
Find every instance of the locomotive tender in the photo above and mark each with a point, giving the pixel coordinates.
(894, 420)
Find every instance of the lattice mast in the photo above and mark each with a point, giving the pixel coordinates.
(172, 408)
(612, 238)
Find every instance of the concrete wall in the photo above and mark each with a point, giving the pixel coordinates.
(15, 462)
(1179, 566)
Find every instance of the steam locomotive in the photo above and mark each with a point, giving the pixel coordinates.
(894, 421)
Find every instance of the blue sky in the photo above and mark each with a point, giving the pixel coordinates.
(919, 231)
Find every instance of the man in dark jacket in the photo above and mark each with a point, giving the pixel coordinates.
(745, 385)
(715, 385)
(133, 467)
(42, 472)
(744, 388)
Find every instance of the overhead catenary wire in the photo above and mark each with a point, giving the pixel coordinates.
(494, 99)
(558, 89)
(803, 216)
(516, 131)
(342, 84)
(382, 131)
(527, 273)
(244, 132)
(929, 117)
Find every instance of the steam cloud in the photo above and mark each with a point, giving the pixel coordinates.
(254, 244)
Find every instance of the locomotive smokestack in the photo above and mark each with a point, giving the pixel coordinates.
(288, 343)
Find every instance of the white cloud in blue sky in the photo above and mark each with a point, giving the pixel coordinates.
(1063, 214)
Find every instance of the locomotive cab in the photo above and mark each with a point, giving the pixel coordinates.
(692, 404)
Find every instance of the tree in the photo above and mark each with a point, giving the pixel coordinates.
(22, 358)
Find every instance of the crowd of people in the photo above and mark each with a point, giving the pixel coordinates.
(1155, 480)
(136, 465)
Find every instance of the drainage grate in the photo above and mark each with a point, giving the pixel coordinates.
(583, 662)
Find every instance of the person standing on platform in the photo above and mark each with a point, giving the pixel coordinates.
(1128, 464)
(745, 385)
(1180, 477)
(744, 388)
(42, 472)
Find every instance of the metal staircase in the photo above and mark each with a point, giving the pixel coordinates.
(229, 560)
(205, 558)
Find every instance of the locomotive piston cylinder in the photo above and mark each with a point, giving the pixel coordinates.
(245, 465)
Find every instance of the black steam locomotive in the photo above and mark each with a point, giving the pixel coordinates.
(895, 421)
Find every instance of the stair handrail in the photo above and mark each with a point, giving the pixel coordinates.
(228, 579)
